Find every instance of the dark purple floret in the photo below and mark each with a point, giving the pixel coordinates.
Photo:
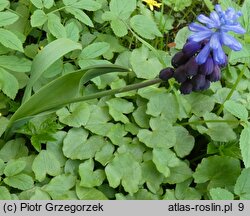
(215, 75)
(179, 59)
(166, 73)
(186, 87)
(190, 48)
(208, 67)
(180, 74)
(191, 67)
(198, 82)
(206, 85)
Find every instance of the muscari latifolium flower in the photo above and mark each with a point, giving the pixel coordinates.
(152, 4)
(202, 57)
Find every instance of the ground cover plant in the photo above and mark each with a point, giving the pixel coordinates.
(98, 101)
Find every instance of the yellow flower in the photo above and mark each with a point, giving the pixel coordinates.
(152, 4)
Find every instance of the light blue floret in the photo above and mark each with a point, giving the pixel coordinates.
(213, 32)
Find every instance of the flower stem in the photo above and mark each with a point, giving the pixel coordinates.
(232, 89)
(209, 121)
(112, 91)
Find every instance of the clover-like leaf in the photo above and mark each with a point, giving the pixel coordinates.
(77, 146)
(242, 186)
(45, 163)
(13, 149)
(221, 194)
(84, 193)
(145, 27)
(162, 134)
(184, 141)
(90, 178)
(151, 176)
(218, 171)
(60, 185)
(4, 193)
(163, 159)
(118, 107)
(14, 167)
(76, 115)
(143, 64)
(20, 181)
(126, 170)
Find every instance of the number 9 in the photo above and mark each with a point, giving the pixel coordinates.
(241, 206)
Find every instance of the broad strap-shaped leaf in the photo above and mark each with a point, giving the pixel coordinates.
(45, 58)
(57, 94)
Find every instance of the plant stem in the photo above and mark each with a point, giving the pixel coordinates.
(232, 89)
(209, 121)
(110, 92)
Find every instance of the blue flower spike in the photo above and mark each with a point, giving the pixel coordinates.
(202, 57)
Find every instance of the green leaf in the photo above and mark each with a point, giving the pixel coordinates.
(163, 159)
(244, 146)
(151, 176)
(241, 56)
(4, 4)
(143, 65)
(14, 167)
(76, 115)
(94, 50)
(3, 124)
(207, 171)
(60, 185)
(145, 27)
(118, 107)
(162, 134)
(164, 104)
(184, 142)
(20, 181)
(55, 27)
(72, 30)
(89, 5)
(45, 58)
(105, 154)
(10, 40)
(80, 15)
(89, 193)
(122, 9)
(140, 116)
(184, 192)
(45, 163)
(8, 83)
(242, 186)
(179, 173)
(43, 3)
(181, 37)
(51, 102)
(38, 18)
(40, 195)
(126, 170)
(4, 193)
(216, 129)
(15, 63)
(178, 5)
(7, 18)
(119, 27)
(90, 178)
(2, 166)
(236, 109)
(221, 194)
(13, 149)
(77, 146)
(200, 103)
